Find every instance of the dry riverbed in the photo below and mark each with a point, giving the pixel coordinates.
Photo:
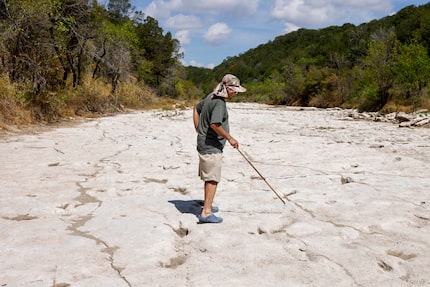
(113, 202)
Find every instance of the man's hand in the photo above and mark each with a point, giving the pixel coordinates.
(234, 143)
(220, 131)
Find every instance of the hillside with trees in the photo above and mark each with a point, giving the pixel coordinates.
(62, 58)
(382, 65)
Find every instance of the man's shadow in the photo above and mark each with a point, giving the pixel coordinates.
(188, 206)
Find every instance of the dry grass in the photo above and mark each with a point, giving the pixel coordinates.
(391, 107)
(425, 103)
(134, 95)
(12, 105)
(93, 98)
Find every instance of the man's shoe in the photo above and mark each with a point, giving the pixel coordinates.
(209, 219)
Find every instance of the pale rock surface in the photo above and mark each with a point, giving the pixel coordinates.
(419, 118)
(113, 202)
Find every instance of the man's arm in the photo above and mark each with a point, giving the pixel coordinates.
(222, 132)
(196, 118)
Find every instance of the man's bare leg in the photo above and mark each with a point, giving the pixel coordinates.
(210, 190)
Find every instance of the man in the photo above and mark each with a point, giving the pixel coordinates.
(211, 122)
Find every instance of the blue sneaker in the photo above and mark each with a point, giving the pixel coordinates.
(210, 219)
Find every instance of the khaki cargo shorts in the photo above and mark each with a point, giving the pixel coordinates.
(210, 166)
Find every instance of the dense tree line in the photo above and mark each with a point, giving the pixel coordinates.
(79, 55)
(48, 41)
(47, 46)
(383, 64)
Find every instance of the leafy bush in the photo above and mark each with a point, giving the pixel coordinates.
(369, 100)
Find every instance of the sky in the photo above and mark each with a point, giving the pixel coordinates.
(210, 31)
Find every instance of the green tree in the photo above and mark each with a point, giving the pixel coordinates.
(413, 69)
(422, 33)
(379, 69)
(71, 29)
(295, 85)
(161, 51)
(23, 25)
(119, 9)
(112, 51)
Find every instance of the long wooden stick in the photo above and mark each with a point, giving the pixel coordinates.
(262, 177)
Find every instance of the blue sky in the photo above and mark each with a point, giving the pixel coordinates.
(212, 30)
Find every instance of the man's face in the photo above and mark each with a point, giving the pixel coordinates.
(231, 93)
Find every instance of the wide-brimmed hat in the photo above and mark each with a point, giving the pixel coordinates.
(228, 81)
(233, 82)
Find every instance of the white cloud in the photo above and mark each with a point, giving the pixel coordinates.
(315, 13)
(217, 33)
(183, 36)
(302, 12)
(364, 4)
(181, 21)
(162, 9)
(222, 7)
(290, 27)
(197, 64)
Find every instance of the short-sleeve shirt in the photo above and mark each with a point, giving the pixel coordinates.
(211, 109)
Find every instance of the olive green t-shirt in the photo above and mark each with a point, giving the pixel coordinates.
(211, 109)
